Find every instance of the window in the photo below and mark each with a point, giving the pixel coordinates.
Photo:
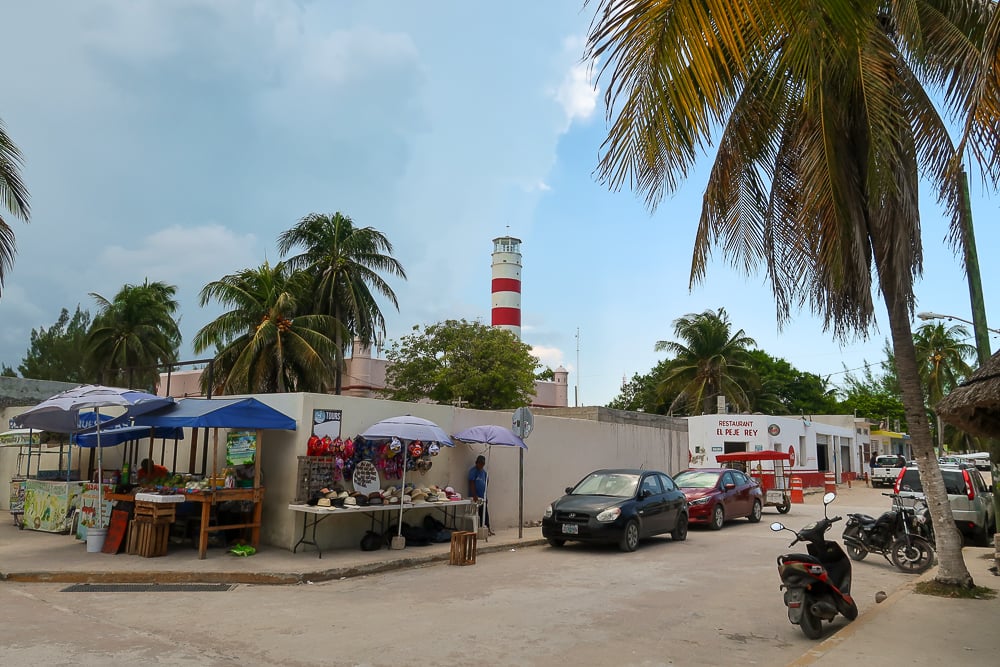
(668, 484)
(652, 484)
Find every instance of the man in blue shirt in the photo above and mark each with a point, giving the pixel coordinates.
(477, 491)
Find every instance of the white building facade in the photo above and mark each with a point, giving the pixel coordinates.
(816, 448)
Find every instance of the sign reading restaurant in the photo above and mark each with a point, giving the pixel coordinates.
(737, 427)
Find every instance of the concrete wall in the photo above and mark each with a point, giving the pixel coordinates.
(561, 451)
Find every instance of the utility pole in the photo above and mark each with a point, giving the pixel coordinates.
(576, 392)
(972, 271)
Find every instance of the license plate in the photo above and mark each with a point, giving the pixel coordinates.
(570, 529)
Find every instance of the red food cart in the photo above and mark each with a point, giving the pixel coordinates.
(773, 480)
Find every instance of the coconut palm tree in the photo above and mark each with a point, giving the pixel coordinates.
(268, 341)
(13, 197)
(941, 360)
(346, 263)
(135, 333)
(824, 133)
(710, 360)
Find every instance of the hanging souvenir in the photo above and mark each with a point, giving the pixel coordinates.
(434, 449)
(416, 449)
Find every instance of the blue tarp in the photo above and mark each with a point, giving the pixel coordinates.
(237, 413)
(117, 435)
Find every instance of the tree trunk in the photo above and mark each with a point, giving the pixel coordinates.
(951, 565)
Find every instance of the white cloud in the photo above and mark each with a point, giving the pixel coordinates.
(549, 356)
(577, 93)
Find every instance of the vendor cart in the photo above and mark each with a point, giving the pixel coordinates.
(773, 480)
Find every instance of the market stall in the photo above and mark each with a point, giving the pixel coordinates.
(44, 488)
(246, 419)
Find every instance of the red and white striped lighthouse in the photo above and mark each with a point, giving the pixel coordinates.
(507, 284)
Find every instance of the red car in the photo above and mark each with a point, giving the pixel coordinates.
(716, 495)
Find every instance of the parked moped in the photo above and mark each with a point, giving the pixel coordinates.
(817, 585)
(903, 535)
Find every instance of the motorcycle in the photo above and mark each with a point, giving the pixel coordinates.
(817, 585)
(903, 535)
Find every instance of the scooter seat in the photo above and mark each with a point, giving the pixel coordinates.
(801, 558)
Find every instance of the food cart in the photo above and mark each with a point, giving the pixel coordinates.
(773, 479)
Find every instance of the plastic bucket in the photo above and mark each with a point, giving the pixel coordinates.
(95, 539)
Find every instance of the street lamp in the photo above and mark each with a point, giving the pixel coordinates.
(939, 316)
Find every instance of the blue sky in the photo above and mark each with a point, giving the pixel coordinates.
(176, 140)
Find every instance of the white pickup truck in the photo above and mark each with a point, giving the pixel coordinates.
(886, 469)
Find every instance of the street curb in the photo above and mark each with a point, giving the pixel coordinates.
(259, 578)
(849, 630)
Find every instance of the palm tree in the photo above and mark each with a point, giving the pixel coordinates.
(941, 360)
(346, 263)
(268, 341)
(710, 361)
(135, 333)
(13, 197)
(825, 131)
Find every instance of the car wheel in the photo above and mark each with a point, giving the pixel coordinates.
(630, 536)
(754, 516)
(718, 518)
(556, 542)
(680, 531)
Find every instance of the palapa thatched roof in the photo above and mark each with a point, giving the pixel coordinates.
(974, 406)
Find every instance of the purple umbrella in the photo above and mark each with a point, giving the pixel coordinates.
(490, 434)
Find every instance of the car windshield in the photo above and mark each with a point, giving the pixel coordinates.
(617, 484)
(954, 482)
(889, 462)
(696, 479)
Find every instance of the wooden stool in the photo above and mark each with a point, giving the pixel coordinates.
(463, 548)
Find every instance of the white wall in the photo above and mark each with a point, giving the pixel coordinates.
(560, 452)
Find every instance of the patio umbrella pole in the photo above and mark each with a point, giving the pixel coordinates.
(402, 492)
(100, 472)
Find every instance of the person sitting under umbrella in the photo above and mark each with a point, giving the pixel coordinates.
(149, 471)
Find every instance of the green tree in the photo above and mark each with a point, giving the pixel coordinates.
(825, 131)
(13, 197)
(346, 263)
(640, 394)
(60, 352)
(711, 360)
(942, 358)
(874, 397)
(135, 334)
(268, 341)
(785, 390)
(483, 367)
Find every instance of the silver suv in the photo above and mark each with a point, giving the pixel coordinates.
(970, 497)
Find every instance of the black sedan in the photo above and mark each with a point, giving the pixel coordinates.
(618, 506)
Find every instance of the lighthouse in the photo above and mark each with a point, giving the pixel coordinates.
(507, 284)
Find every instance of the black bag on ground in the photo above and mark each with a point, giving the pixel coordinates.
(372, 541)
(433, 524)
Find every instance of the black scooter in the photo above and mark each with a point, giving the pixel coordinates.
(817, 585)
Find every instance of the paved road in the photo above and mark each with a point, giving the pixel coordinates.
(712, 600)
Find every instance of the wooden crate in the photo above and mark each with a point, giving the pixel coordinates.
(154, 512)
(463, 548)
(148, 540)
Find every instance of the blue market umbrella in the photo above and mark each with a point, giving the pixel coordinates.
(62, 414)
